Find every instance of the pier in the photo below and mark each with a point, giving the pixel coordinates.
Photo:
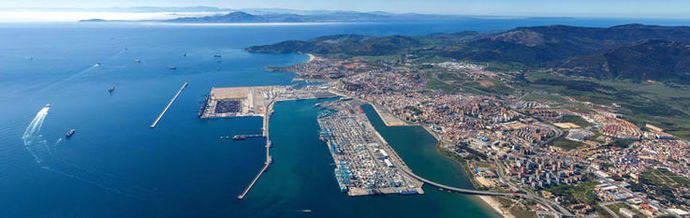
(269, 159)
(166, 107)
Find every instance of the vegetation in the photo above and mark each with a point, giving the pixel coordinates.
(566, 144)
(662, 183)
(579, 193)
(576, 120)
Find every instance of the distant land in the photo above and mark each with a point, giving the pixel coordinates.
(633, 51)
(294, 16)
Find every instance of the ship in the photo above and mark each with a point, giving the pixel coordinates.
(70, 133)
(172, 67)
(48, 105)
(239, 137)
(216, 55)
(111, 89)
(137, 60)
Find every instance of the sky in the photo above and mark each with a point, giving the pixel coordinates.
(576, 8)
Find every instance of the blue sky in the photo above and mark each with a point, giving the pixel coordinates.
(596, 8)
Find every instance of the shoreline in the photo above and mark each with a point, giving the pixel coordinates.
(492, 202)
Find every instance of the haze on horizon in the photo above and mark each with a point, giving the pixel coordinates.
(673, 9)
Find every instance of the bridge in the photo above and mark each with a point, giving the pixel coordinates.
(554, 207)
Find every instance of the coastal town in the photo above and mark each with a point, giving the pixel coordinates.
(582, 156)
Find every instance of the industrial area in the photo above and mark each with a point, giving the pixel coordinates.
(255, 101)
(364, 163)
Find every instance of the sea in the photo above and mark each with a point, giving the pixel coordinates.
(116, 166)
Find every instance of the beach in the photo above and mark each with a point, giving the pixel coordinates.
(494, 204)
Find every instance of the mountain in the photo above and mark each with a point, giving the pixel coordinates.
(632, 51)
(233, 17)
(545, 46)
(348, 44)
(243, 17)
(649, 59)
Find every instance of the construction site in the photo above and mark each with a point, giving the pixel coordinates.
(364, 162)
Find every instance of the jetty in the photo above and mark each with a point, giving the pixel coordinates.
(229, 102)
(269, 159)
(168, 106)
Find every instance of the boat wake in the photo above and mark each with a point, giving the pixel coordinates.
(81, 73)
(45, 156)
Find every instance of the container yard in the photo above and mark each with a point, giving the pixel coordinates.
(364, 163)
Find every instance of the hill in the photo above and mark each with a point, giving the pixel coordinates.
(604, 53)
(546, 46)
(649, 59)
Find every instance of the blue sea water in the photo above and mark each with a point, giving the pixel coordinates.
(115, 165)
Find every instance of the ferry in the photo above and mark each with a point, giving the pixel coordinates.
(70, 133)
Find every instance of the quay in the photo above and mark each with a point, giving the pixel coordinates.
(258, 101)
(269, 159)
(169, 103)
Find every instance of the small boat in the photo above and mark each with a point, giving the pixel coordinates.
(184, 55)
(111, 89)
(137, 60)
(48, 105)
(172, 67)
(216, 55)
(70, 133)
(97, 64)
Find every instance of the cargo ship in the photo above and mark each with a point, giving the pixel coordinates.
(70, 133)
(239, 137)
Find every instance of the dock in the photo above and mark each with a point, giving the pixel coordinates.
(269, 159)
(168, 106)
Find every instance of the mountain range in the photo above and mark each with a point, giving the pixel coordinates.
(633, 51)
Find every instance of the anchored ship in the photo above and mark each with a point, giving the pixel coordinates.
(70, 133)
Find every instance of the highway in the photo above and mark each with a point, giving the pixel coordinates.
(554, 206)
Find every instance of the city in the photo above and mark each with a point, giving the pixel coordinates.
(585, 157)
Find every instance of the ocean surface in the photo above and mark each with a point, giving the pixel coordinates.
(116, 166)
